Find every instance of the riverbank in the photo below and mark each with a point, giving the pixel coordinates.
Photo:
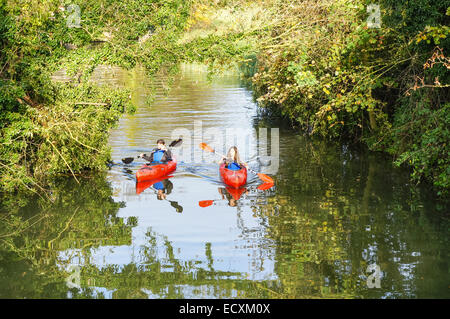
(320, 65)
(48, 128)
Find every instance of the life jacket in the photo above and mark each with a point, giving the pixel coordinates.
(158, 185)
(157, 156)
(234, 166)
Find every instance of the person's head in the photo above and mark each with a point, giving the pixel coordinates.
(232, 202)
(233, 154)
(160, 143)
(161, 195)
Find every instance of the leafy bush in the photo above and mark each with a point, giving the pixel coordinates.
(319, 65)
(48, 128)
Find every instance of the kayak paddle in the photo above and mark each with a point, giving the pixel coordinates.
(127, 160)
(265, 178)
(141, 186)
(176, 143)
(205, 203)
(265, 186)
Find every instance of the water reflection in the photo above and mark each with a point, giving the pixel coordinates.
(161, 187)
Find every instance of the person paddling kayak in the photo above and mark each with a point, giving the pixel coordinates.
(232, 160)
(160, 154)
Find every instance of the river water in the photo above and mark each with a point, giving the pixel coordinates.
(339, 222)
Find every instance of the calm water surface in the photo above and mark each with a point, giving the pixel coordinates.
(339, 222)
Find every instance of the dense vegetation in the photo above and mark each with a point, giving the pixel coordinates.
(317, 63)
(313, 62)
(48, 128)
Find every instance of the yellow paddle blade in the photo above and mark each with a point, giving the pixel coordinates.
(206, 147)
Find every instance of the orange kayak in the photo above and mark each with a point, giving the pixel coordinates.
(233, 178)
(151, 172)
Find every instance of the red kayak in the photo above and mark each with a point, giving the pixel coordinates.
(143, 185)
(236, 193)
(233, 178)
(151, 172)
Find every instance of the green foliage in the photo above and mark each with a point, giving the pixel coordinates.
(66, 137)
(35, 230)
(319, 65)
(314, 62)
(409, 17)
(420, 139)
(48, 128)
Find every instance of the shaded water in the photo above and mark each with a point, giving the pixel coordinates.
(333, 212)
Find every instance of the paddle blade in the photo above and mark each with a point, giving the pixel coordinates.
(127, 160)
(176, 143)
(177, 207)
(206, 147)
(265, 186)
(265, 178)
(205, 203)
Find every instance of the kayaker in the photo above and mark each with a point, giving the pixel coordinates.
(160, 154)
(233, 159)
